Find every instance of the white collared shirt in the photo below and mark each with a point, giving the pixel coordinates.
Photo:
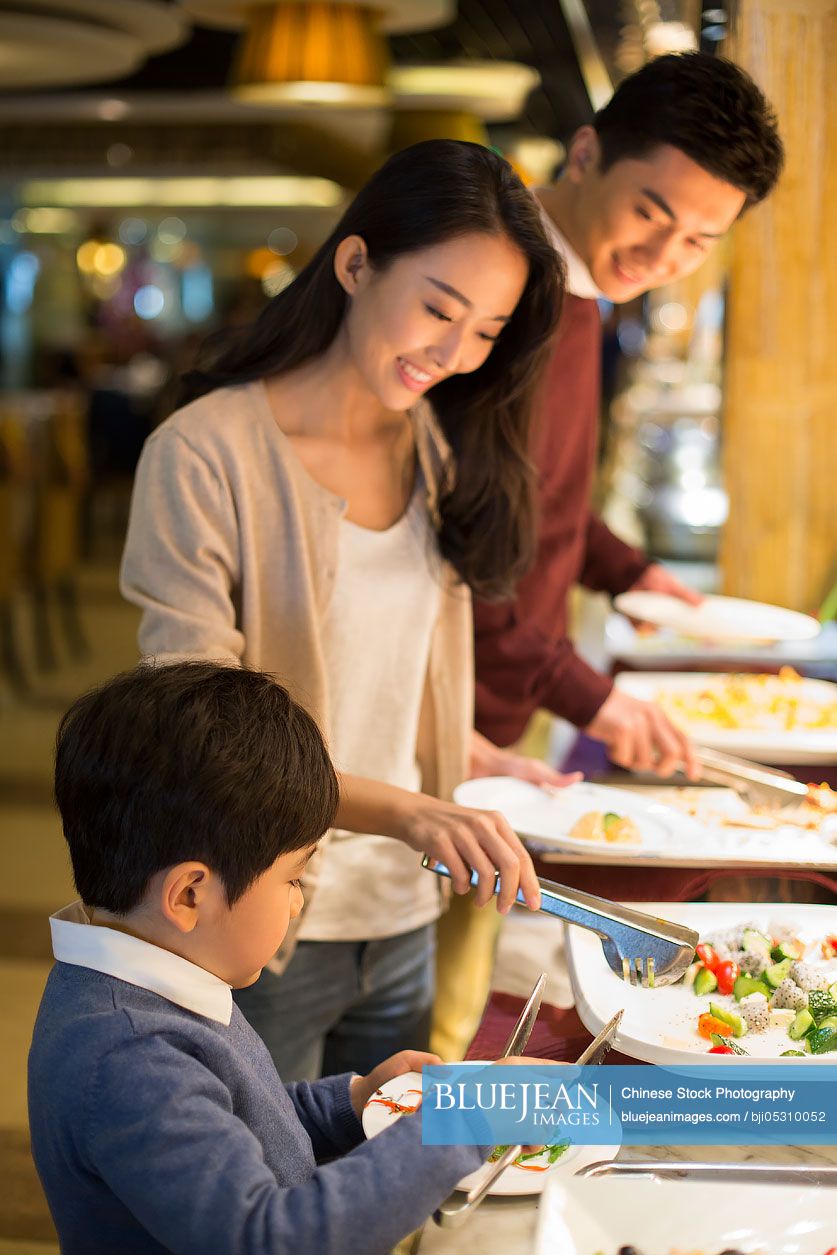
(75, 940)
(579, 280)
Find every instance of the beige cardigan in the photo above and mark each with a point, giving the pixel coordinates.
(231, 553)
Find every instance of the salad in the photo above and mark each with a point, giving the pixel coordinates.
(533, 1160)
(761, 979)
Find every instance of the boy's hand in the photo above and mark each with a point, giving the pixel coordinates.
(363, 1087)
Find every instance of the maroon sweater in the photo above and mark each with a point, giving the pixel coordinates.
(524, 658)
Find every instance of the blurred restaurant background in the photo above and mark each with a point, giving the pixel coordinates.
(168, 165)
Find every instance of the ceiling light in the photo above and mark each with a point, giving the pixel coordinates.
(495, 91)
(314, 53)
(250, 191)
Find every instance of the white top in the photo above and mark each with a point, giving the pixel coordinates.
(75, 940)
(377, 634)
(579, 280)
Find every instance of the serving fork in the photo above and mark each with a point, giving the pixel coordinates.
(643, 949)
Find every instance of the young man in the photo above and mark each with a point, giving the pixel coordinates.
(684, 146)
(192, 797)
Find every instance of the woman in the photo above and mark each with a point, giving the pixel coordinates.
(313, 515)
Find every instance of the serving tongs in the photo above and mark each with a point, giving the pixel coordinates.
(456, 1209)
(758, 785)
(643, 949)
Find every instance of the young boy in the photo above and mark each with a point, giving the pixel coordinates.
(192, 797)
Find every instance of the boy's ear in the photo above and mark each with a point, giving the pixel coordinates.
(185, 890)
(583, 155)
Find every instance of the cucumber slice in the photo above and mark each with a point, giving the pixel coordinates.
(706, 982)
(799, 1053)
(802, 1024)
(832, 989)
(830, 1021)
(821, 1004)
(785, 950)
(776, 974)
(745, 985)
(754, 940)
(718, 1040)
(822, 1040)
(736, 1023)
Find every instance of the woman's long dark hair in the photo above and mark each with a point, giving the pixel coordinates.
(427, 194)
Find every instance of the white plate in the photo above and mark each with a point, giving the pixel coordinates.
(660, 1025)
(377, 1117)
(762, 744)
(585, 1217)
(548, 817)
(719, 618)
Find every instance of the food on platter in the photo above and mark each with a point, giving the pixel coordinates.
(535, 1160)
(760, 979)
(769, 703)
(605, 826)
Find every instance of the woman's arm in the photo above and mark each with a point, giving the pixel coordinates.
(457, 836)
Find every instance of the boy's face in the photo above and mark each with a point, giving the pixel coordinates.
(645, 221)
(248, 934)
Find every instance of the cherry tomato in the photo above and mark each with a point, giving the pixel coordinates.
(708, 957)
(727, 975)
(709, 1024)
(720, 1050)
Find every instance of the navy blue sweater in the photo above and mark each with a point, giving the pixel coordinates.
(155, 1129)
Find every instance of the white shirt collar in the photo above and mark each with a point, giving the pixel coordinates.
(579, 280)
(75, 940)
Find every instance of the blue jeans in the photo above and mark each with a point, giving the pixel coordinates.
(344, 1006)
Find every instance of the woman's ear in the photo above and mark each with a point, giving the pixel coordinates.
(583, 155)
(351, 263)
(185, 892)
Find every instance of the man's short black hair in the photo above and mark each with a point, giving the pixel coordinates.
(704, 105)
(187, 761)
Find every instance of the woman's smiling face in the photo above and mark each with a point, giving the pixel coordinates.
(429, 314)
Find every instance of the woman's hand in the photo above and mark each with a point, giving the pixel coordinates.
(462, 839)
(487, 759)
(457, 836)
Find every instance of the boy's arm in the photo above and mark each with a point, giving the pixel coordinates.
(326, 1113)
(160, 1131)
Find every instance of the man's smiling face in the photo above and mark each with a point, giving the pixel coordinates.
(646, 221)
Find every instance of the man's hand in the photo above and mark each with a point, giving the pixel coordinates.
(640, 737)
(487, 759)
(363, 1087)
(657, 579)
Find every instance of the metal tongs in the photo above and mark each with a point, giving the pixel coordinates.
(758, 785)
(456, 1209)
(643, 949)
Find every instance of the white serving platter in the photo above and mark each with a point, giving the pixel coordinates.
(719, 618)
(660, 1025)
(691, 827)
(766, 744)
(548, 816)
(657, 1217)
(515, 1180)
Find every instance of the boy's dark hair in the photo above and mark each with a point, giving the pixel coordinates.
(166, 764)
(704, 105)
